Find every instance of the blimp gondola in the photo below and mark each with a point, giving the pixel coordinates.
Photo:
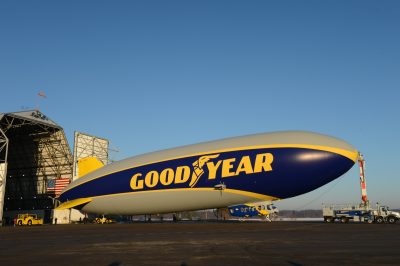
(216, 174)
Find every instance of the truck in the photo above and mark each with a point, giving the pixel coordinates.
(103, 220)
(359, 213)
(362, 212)
(28, 219)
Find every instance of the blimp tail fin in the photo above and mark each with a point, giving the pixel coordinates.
(76, 203)
(87, 165)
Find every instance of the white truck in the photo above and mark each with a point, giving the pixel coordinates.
(362, 212)
(359, 213)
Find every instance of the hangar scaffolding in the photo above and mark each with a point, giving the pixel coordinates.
(38, 152)
(86, 145)
(3, 170)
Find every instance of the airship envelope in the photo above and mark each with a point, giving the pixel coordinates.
(269, 166)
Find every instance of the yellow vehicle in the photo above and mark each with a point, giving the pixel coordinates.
(28, 219)
(103, 220)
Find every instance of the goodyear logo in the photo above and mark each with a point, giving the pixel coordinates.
(191, 174)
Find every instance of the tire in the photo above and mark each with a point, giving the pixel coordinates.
(379, 220)
(19, 223)
(329, 219)
(366, 219)
(391, 219)
(30, 222)
(344, 219)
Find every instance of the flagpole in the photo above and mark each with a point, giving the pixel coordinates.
(41, 94)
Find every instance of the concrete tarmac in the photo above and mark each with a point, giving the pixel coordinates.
(277, 243)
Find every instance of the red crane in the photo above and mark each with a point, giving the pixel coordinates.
(363, 183)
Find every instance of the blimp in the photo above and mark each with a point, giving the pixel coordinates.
(216, 174)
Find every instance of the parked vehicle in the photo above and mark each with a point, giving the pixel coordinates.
(103, 220)
(28, 219)
(362, 212)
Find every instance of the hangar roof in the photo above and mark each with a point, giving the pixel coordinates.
(33, 116)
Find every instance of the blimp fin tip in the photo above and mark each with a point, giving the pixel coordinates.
(87, 165)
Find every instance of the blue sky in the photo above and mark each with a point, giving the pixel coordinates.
(150, 75)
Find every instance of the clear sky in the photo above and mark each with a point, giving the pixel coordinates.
(150, 75)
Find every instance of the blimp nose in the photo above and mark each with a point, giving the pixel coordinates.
(312, 162)
(311, 169)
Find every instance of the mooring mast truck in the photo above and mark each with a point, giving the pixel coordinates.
(359, 213)
(362, 212)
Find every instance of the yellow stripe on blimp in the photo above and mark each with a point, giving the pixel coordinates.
(227, 190)
(76, 202)
(73, 203)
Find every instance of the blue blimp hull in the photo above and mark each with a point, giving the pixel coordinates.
(268, 166)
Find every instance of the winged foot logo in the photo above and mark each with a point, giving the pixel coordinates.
(225, 168)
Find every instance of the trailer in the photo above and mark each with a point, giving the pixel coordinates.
(362, 212)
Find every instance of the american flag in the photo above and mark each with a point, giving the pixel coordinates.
(57, 185)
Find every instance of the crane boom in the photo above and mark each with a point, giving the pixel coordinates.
(363, 183)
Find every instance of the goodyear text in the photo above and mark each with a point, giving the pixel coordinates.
(190, 174)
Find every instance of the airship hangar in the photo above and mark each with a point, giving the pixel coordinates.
(35, 160)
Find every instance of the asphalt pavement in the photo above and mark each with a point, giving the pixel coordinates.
(185, 243)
